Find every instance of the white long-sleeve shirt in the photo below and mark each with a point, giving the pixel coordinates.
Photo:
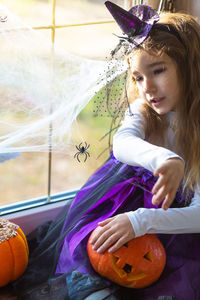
(130, 147)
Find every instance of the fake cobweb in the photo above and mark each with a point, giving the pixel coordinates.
(42, 92)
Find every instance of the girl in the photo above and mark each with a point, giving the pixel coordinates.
(164, 99)
(137, 191)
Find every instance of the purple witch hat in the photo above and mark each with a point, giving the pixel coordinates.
(135, 23)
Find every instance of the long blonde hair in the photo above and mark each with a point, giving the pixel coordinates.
(185, 52)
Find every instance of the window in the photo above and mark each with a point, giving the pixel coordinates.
(78, 29)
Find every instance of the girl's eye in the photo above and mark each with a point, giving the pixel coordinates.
(137, 79)
(160, 70)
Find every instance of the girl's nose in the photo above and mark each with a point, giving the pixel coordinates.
(149, 86)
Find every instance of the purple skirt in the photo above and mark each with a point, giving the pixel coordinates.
(116, 188)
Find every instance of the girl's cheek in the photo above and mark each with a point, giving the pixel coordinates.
(142, 94)
(140, 90)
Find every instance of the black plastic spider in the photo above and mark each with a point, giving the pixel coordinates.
(82, 150)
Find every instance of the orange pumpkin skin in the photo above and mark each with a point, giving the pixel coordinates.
(13, 252)
(137, 264)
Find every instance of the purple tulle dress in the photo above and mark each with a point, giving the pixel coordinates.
(181, 277)
(116, 188)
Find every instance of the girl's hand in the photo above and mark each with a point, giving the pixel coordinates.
(170, 174)
(112, 233)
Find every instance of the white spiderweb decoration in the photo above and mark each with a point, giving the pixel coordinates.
(38, 88)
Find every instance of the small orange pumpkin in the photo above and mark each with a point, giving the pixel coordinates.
(136, 264)
(13, 252)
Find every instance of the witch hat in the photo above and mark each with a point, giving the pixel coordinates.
(135, 23)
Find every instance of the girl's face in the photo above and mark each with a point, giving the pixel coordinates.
(157, 80)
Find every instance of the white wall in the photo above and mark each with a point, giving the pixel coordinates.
(189, 6)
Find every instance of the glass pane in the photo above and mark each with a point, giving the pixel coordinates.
(71, 170)
(78, 11)
(23, 178)
(94, 41)
(33, 12)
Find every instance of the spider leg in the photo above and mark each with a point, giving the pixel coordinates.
(85, 156)
(77, 147)
(78, 156)
(75, 154)
(87, 153)
(87, 147)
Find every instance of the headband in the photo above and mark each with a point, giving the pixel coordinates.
(138, 22)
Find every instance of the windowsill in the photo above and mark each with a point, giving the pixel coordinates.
(29, 218)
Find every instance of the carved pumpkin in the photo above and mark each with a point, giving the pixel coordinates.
(136, 264)
(13, 252)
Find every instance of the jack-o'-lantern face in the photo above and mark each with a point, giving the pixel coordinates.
(128, 269)
(137, 264)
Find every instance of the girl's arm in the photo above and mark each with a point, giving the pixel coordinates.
(130, 147)
(171, 221)
(116, 231)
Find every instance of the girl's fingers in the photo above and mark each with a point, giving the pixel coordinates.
(159, 183)
(160, 195)
(97, 234)
(168, 200)
(169, 175)
(164, 189)
(117, 245)
(100, 241)
(114, 234)
(103, 223)
(99, 230)
(104, 233)
(109, 241)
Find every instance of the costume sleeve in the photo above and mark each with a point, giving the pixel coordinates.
(170, 221)
(130, 147)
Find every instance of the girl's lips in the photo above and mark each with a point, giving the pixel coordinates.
(156, 101)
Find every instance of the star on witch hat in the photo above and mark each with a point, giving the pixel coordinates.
(135, 23)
